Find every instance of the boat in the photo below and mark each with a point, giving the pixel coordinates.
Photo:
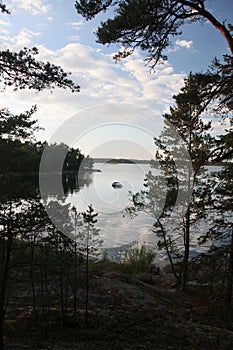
(117, 184)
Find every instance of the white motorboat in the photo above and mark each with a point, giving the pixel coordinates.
(117, 184)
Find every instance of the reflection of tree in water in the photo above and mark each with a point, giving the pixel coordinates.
(58, 185)
(72, 182)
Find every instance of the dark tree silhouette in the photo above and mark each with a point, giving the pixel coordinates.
(21, 70)
(148, 24)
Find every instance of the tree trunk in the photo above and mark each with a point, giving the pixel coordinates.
(228, 298)
(186, 252)
(5, 272)
(44, 311)
(87, 277)
(4, 279)
(213, 20)
(168, 252)
(75, 283)
(2, 313)
(32, 275)
(62, 297)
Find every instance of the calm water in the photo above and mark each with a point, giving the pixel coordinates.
(116, 229)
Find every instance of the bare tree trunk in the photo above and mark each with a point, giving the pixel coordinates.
(67, 292)
(44, 311)
(3, 296)
(168, 252)
(62, 297)
(87, 277)
(186, 252)
(75, 268)
(4, 278)
(218, 25)
(228, 298)
(32, 275)
(75, 283)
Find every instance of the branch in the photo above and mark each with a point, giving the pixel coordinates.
(3, 8)
(206, 14)
(22, 70)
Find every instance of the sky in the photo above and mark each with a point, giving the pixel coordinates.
(125, 98)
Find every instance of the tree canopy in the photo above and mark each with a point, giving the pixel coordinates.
(21, 69)
(148, 24)
(19, 127)
(3, 8)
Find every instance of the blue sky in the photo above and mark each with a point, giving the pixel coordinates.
(64, 38)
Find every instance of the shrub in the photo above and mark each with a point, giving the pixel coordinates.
(138, 259)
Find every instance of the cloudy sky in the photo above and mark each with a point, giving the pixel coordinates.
(126, 93)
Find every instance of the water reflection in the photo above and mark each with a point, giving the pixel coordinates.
(61, 185)
(73, 182)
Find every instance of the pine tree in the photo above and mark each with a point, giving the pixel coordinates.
(89, 243)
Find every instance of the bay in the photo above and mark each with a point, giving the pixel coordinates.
(118, 231)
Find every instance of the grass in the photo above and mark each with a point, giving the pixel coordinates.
(135, 260)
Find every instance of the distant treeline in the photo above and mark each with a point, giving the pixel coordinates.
(121, 161)
(137, 161)
(24, 157)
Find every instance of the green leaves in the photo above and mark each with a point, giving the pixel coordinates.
(148, 24)
(3, 8)
(21, 70)
(20, 127)
(90, 8)
(89, 216)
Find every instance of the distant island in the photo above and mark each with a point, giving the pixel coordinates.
(138, 161)
(121, 161)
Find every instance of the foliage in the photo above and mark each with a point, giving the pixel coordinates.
(87, 239)
(224, 86)
(3, 8)
(138, 259)
(20, 127)
(148, 25)
(221, 231)
(21, 70)
(88, 245)
(20, 153)
(179, 192)
(73, 160)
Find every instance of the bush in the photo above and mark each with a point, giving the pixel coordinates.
(138, 259)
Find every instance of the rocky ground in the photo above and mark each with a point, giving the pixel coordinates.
(129, 312)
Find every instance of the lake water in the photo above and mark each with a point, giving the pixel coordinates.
(117, 230)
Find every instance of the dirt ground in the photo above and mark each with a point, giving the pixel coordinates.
(127, 312)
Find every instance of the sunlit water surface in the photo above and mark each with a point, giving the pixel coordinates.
(117, 229)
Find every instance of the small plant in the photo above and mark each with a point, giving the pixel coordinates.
(138, 259)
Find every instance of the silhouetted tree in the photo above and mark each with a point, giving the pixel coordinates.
(148, 24)
(89, 244)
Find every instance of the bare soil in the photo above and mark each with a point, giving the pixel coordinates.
(127, 312)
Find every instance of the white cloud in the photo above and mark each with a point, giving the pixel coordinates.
(76, 25)
(4, 23)
(74, 38)
(101, 80)
(218, 125)
(35, 7)
(4, 31)
(184, 43)
(22, 39)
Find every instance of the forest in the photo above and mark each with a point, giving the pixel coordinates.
(58, 288)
